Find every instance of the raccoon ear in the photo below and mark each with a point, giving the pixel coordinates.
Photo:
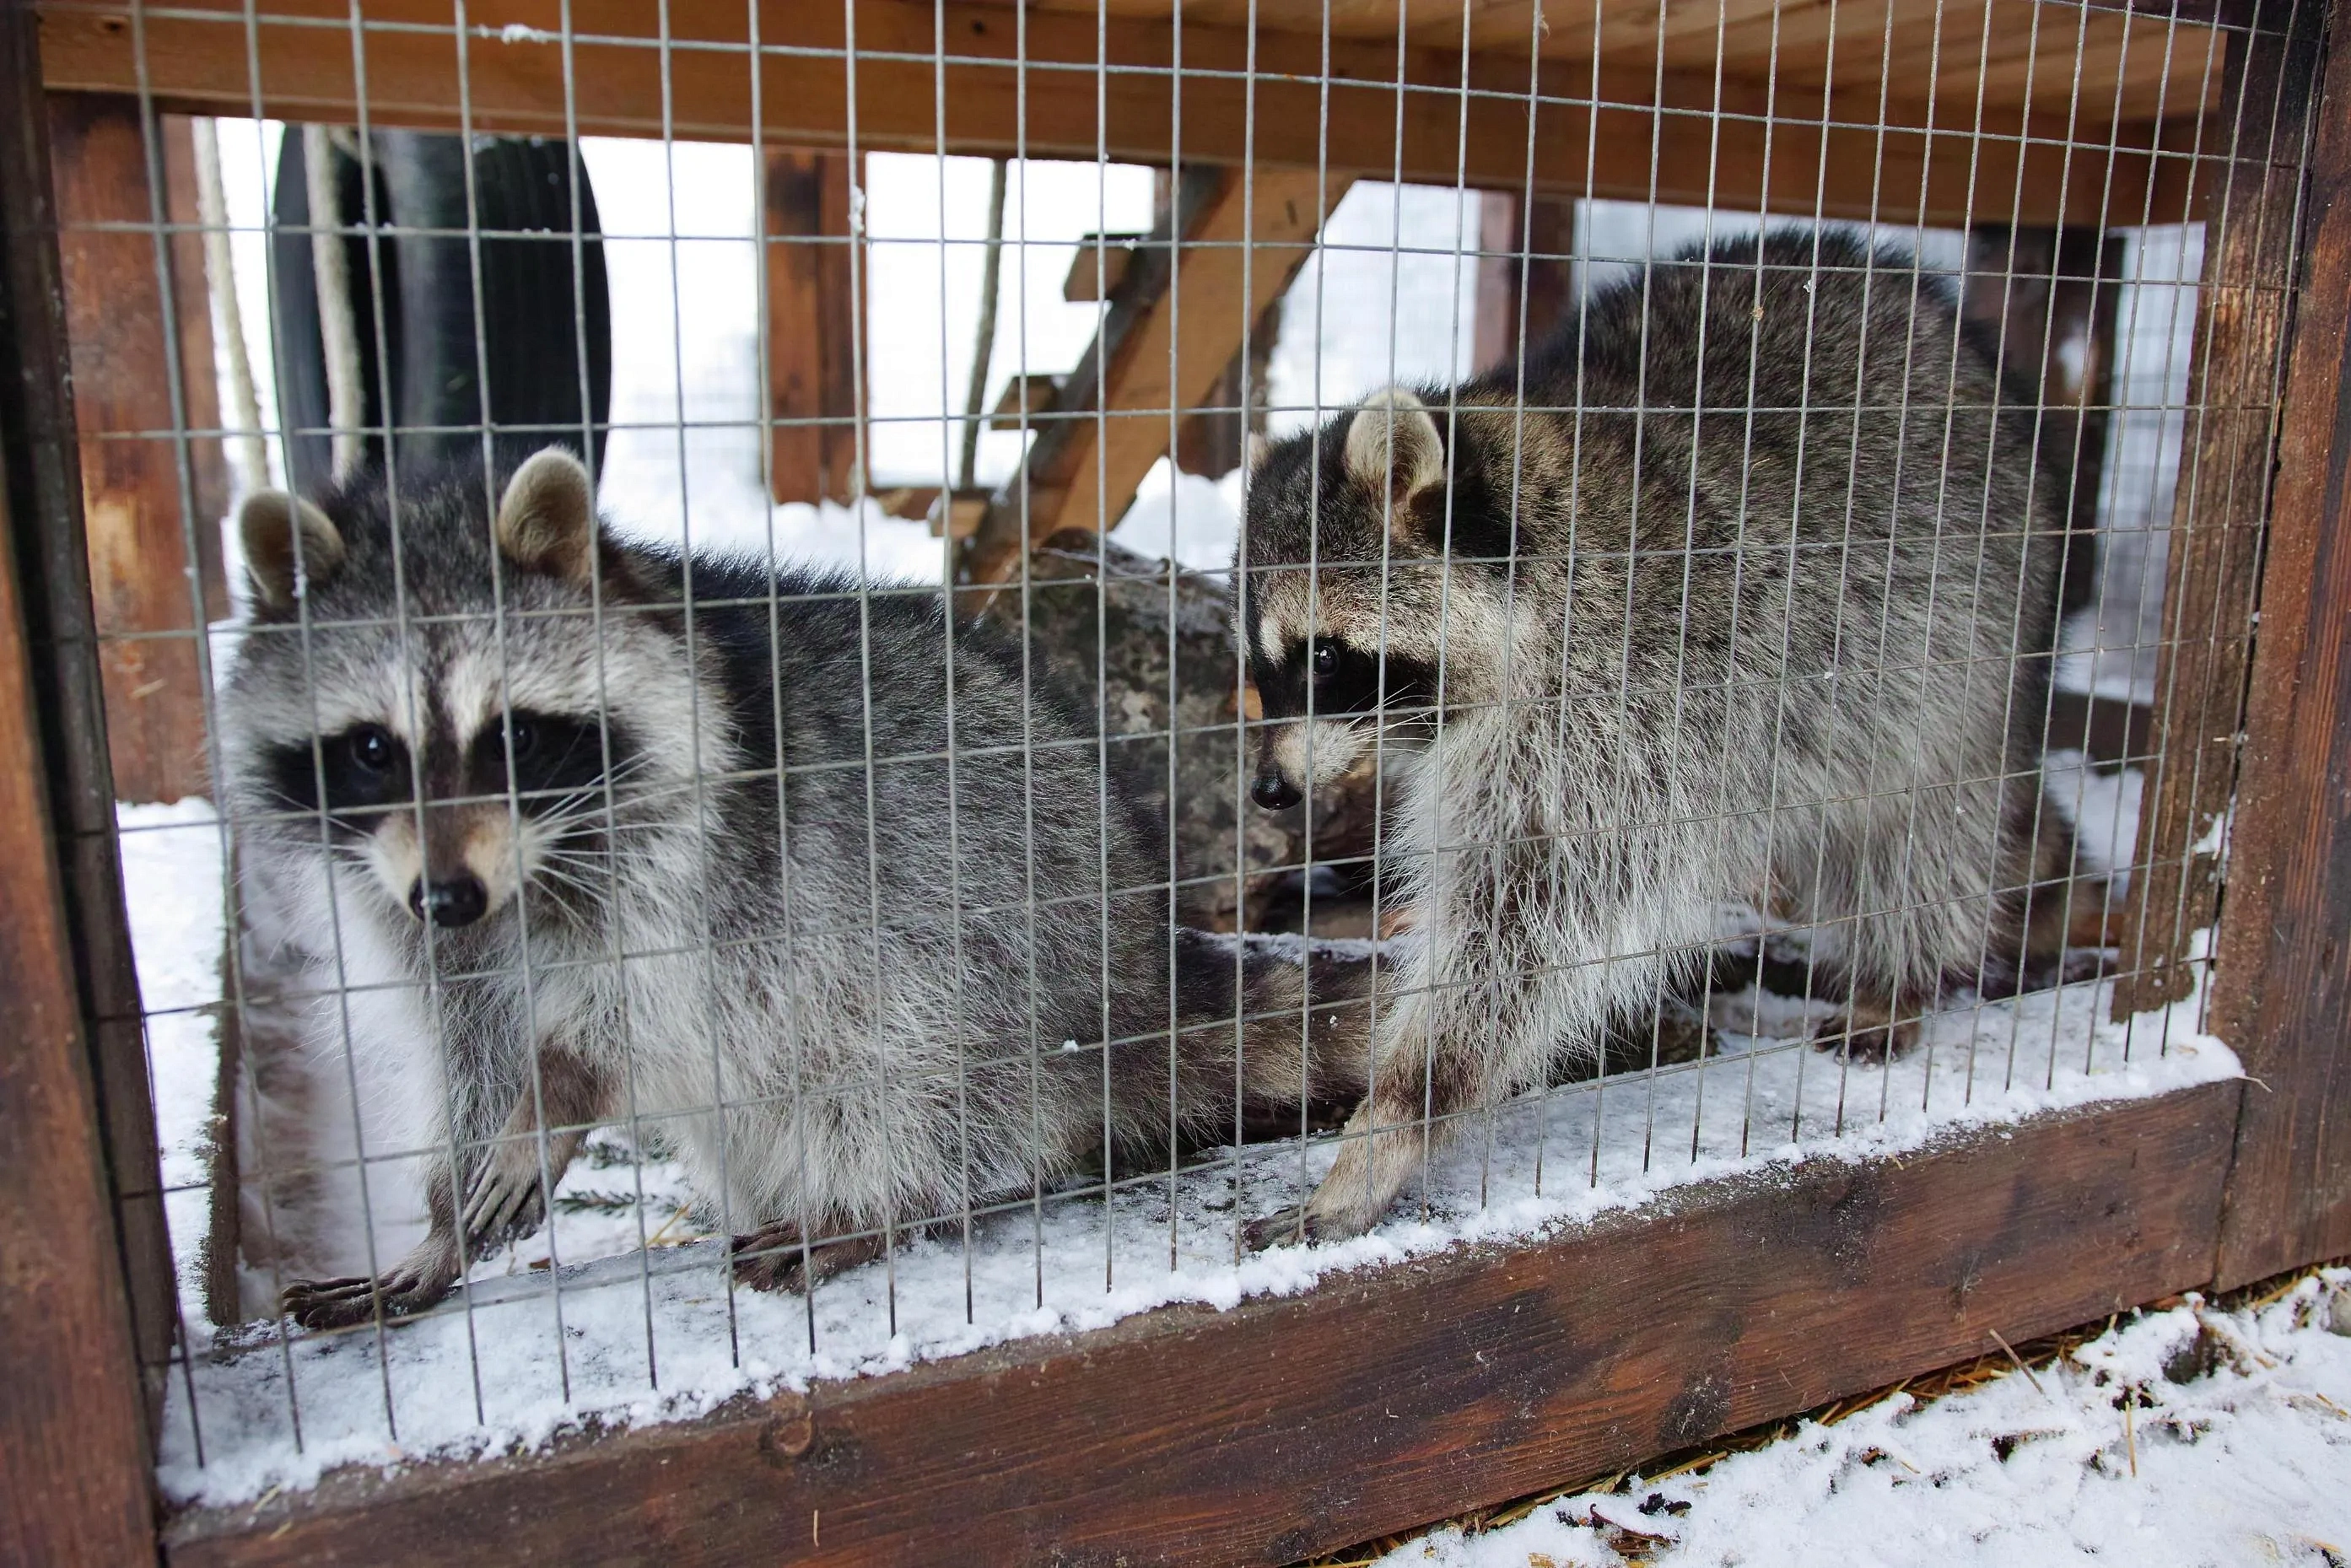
(546, 518)
(269, 524)
(1393, 445)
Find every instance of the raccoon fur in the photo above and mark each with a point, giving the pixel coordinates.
(1788, 649)
(522, 781)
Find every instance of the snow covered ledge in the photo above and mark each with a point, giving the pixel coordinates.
(1468, 1369)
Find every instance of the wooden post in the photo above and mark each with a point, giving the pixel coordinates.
(80, 1218)
(2235, 375)
(140, 532)
(2282, 986)
(1529, 259)
(1215, 442)
(1223, 253)
(813, 329)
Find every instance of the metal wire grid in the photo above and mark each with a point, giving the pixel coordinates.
(1029, 77)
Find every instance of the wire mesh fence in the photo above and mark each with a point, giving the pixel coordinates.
(1136, 656)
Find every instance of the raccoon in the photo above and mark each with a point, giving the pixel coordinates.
(1747, 599)
(604, 833)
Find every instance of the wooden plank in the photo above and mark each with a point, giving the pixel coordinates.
(140, 557)
(1686, 35)
(1026, 397)
(814, 329)
(2236, 374)
(1100, 261)
(2283, 988)
(1528, 255)
(1383, 1399)
(1241, 240)
(192, 319)
(196, 58)
(73, 1425)
(1214, 440)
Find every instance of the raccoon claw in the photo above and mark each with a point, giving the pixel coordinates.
(769, 1258)
(1872, 1045)
(1281, 1227)
(344, 1304)
(507, 1203)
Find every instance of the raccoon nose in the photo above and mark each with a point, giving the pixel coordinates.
(1272, 791)
(460, 901)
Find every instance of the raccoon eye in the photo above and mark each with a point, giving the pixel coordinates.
(371, 747)
(524, 735)
(1326, 660)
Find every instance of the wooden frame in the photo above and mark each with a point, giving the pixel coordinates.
(1283, 1426)
(133, 501)
(80, 1218)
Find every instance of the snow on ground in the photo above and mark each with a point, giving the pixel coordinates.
(2193, 1437)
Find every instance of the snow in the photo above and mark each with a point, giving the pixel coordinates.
(172, 887)
(2193, 1437)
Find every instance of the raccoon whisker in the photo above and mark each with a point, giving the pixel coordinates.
(595, 874)
(591, 858)
(555, 877)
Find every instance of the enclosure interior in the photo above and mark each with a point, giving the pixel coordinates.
(934, 375)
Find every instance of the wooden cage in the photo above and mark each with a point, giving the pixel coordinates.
(1287, 1426)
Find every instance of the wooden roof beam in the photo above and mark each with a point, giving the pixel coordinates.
(1621, 131)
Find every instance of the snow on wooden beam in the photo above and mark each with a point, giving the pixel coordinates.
(1291, 1426)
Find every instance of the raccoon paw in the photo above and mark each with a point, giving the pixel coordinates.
(770, 1258)
(1872, 1045)
(508, 1203)
(404, 1289)
(1296, 1224)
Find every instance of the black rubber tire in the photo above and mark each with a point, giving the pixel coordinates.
(537, 324)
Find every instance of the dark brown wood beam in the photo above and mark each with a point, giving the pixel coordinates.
(2047, 297)
(74, 1423)
(1381, 1400)
(815, 329)
(2282, 988)
(2236, 373)
(1526, 246)
(147, 536)
(1927, 163)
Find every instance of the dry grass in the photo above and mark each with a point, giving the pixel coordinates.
(1637, 1548)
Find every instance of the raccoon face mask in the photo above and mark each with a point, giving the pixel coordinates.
(1367, 600)
(454, 697)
